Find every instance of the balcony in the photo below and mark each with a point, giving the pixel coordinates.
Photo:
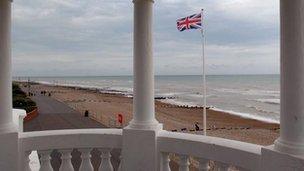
(143, 145)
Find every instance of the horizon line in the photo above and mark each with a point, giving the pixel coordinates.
(154, 75)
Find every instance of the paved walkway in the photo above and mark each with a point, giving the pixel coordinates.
(55, 115)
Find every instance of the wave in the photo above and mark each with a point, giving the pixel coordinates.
(269, 101)
(261, 110)
(244, 115)
(249, 116)
(253, 92)
(178, 103)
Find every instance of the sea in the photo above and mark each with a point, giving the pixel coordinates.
(248, 96)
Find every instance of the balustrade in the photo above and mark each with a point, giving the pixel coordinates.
(65, 141)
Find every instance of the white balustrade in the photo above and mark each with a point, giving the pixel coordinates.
(184, 163)
(120, 163)
(86, 164)
(221, 166)
(26, 160)
(66, 164)
(203, 164)
(45, 160)
(165, 162)
(105, 164)
(234, 153)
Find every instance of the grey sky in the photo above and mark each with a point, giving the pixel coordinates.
(94, 37)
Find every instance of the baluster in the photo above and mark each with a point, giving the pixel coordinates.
(66, 164)
(165, 162)
(222, 166)
(120, 163)
(184, 163)
(105, 164)
(45, 160)
(203, 164)
(86, 164)
(26, 161)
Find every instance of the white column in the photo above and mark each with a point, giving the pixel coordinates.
(8, 131)
(143, 100)
(140, 137)
(292, 78)
(6, 120)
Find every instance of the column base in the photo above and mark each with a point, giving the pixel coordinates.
(289, 147)
(139, 150)
(273, 159)
(151, 125)
(9, 151)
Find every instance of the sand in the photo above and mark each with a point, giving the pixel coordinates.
(104, 108)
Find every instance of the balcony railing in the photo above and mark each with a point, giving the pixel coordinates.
(224, 153)
(65, 141)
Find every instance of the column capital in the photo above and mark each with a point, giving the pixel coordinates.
(134, 1)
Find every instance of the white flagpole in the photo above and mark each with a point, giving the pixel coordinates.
(204, 76)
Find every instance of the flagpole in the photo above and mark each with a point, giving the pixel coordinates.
(204, 76)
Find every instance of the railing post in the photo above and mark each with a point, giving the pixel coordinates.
(203, 164)
(45, 160)
(292, 80)
(184, 163)
(165, 163)
(66, 163)
(86, 164)
(8, 131)
(139, 150)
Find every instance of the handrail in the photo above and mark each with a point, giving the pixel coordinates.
(71, 138)
(232, 152)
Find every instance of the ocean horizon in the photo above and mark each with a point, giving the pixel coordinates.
(249, 96)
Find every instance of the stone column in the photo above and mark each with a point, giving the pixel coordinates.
(5, 68)
(292, 78)
(139, 150)
(143, 101)
(8, 130)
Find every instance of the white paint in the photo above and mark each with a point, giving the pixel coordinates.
(143, 101)
(6, 120)
(184, 163)
(292, 80)
(8, 130)
(66, 163)
(105, 164)
(63, 139)
(18, 116)
(236, 153)
(45, 160)
(165, 162)
(142, 143)
(203, 164)
(34, 161)
(86, 164)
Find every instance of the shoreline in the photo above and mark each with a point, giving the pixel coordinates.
(160, 98)
(104, 108)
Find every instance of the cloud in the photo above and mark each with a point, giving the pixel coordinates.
(76, 37)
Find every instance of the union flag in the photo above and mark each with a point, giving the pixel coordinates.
(190, 22)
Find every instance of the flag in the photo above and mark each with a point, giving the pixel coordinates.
(191, 22)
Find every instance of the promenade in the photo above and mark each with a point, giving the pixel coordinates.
(55, 115)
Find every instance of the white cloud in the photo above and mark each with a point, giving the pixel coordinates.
(87, 37)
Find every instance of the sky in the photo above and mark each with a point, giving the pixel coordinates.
(94, 37)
